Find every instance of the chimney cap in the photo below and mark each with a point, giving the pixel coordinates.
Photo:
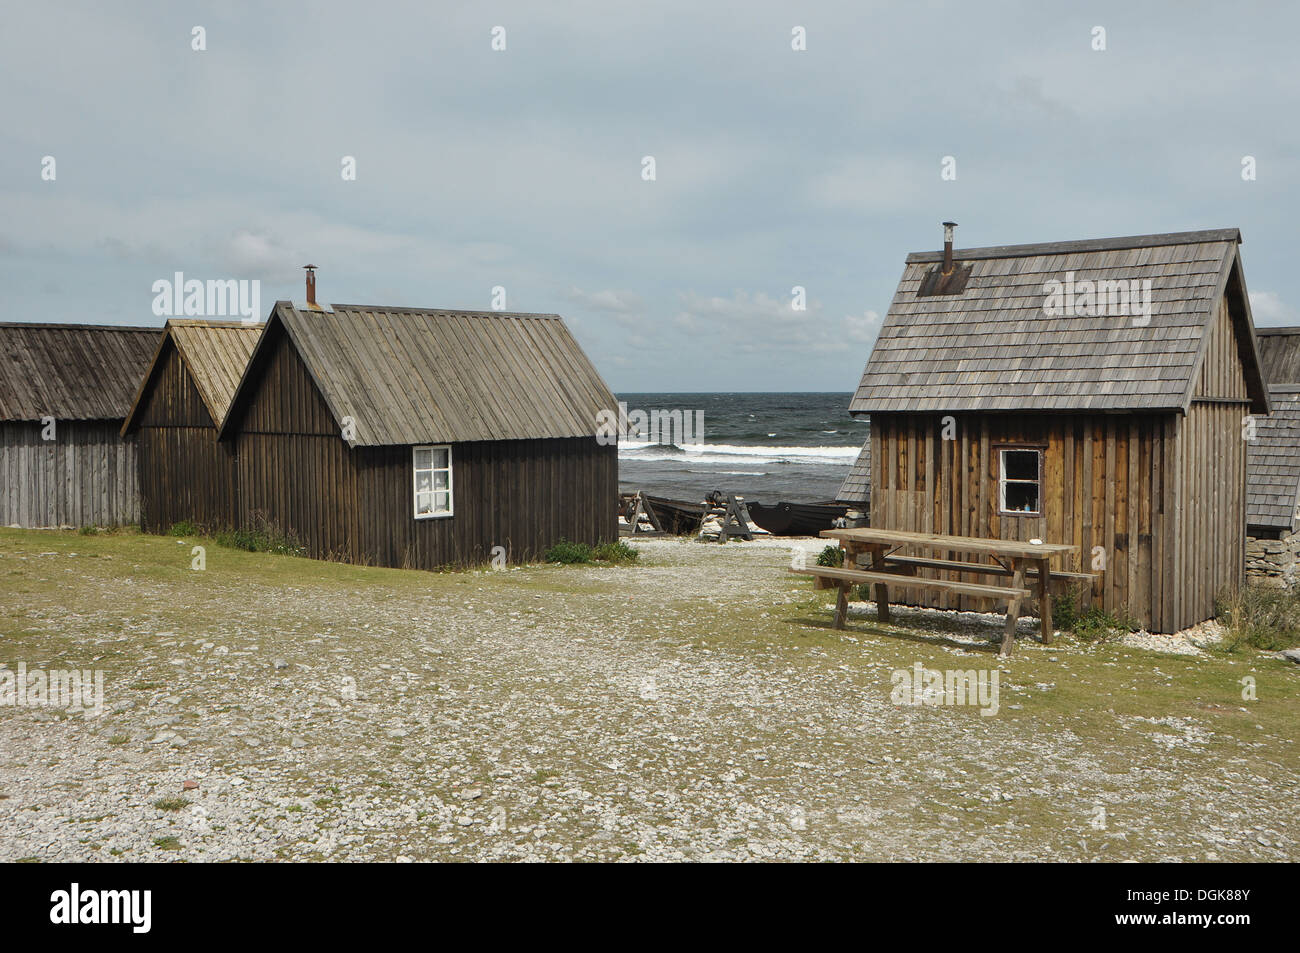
(310, 266)
(945, 225)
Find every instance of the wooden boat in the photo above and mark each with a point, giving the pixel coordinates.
(678, 517)
(796, 519)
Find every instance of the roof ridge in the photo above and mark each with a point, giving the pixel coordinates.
(44, 325)
(1091, 244)
(456, 311)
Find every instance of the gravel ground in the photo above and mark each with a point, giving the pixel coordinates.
(695, 706)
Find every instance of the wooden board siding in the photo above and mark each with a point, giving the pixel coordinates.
(1098, 489)
(356, 504)
(185, 474)
(1212, 534)
(523, 495)
(85, 477)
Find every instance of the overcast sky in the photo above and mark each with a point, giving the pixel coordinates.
(523, 168)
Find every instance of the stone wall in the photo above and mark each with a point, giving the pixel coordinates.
(1272, 562)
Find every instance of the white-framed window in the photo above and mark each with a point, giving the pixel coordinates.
(1020, 481)
(432, 482)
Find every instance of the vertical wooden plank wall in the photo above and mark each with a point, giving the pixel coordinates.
(1098, 489)
(185, 473)
(87, 476)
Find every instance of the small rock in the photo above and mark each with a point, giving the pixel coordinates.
(280, 664)
(190, 786)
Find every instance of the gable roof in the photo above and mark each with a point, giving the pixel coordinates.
(1279, 350)
(856, 487)
(993, 347)
(71, 371)
(1273, 457)
(1273, 463)
(412, 376)
(214, 352)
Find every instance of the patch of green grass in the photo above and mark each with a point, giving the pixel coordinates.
(1091, 624)
(1260, 618)
(166, 843)
(264, 536)
(294, 808)
(89, 530)
(831, 556)
(170, 803)
(570, 553)
(618, 552)
(119, 739)
(184, 528)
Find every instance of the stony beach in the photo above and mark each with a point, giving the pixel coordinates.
(695, 705)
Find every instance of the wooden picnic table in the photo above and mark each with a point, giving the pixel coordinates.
(1014, 558)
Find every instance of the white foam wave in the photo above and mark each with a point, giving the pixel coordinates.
(733, 453)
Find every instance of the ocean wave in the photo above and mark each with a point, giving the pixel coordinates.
(733, 453)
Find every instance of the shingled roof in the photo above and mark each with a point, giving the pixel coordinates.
(411, 376)
(71, 371)
(1273, 457)
(994, 347)
(214, 352)
(856, 487)
(1279, 352)
(1273, 463)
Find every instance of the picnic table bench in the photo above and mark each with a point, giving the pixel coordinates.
(1023, 562)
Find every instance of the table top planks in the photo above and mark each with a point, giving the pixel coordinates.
(965, 544)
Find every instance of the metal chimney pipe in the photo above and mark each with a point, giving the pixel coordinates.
(311, 285)
(947, 246)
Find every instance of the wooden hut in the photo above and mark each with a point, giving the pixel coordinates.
(1273, 466)
(64, 391)
(186, 474)
(416, 438)
(856, 488)
(1001, 408)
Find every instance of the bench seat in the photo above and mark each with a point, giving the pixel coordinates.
(895, 579)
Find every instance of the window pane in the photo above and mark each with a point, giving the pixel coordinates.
(442, 502)
(423, 503)
(423, 459)
(440, 458)
(1020, 464)
(441, 479)
(423, 481)
(1022, 497)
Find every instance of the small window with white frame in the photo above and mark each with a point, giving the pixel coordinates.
(432, 482)
(1020, 479)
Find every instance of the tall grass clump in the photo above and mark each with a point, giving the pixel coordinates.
(1261, 618)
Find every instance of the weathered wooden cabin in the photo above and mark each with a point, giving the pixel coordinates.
(64, 391)
(1003, 407)
(1273, 466)
(856, 488)
(186, 474)
(413, 438)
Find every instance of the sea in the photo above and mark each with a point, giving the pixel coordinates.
(795, 447)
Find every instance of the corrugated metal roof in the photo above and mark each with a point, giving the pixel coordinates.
(1273, 463)
(995, 347)
(856, 487)
(1279, 350)
(71, 371)
(216, 354)
(409, 376)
